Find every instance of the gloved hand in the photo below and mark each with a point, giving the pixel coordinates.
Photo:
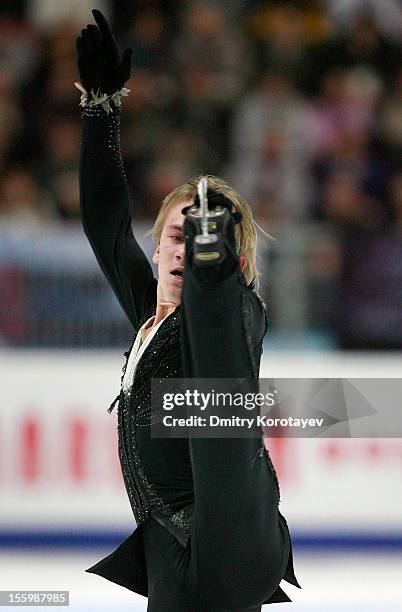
(221, 222)
(99, 63)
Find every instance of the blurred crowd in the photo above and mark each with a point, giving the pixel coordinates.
(297, 104)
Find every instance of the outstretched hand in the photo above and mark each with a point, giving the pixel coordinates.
(100, 65)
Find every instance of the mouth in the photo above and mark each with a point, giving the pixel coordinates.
(177, 275)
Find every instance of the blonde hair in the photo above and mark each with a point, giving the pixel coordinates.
(246, 235)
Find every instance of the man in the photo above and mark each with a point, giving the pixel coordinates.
(209, 534)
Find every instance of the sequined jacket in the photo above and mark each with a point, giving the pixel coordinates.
(162, 359)
(107, 224)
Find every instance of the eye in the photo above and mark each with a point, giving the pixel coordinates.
(177, 238)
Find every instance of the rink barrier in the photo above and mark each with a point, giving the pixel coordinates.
(82, 540)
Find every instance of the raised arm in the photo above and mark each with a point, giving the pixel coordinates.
(105, 205)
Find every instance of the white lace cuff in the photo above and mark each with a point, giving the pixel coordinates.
(101, 99)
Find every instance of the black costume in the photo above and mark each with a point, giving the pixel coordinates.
(209, 536)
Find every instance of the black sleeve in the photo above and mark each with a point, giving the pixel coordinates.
(106, 215)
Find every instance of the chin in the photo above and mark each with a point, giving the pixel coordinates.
(169, 291)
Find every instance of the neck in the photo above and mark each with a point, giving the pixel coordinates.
(163, 309)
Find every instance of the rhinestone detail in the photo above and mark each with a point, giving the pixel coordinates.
(162, 359)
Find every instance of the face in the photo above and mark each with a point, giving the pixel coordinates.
(169, 256)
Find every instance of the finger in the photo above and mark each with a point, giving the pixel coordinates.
(94, 36)
(87, 42)
(82, 41)
(95, 33)
(88, 49)
(103, 25)
(86, 36)
(91, 31)
(82, 53)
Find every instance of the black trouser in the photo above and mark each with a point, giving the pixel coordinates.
(239, 546)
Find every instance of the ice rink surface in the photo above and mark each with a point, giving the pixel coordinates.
(331, 583)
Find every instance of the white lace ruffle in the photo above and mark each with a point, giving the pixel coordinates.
(101, 99)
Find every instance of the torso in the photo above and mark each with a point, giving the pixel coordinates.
(157, 471)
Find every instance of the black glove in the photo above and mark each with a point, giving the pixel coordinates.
(99, 63)
(221, 222)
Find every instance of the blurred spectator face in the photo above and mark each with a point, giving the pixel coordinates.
(342, 198)
(162, 179)
(362, 88)
(267, 209)
(66, 189)
(272, 146)
(148, 28)
(345, 113)
(333, 85)
(63, 142)
(18, 187)
(199, 84)
(324, 258)
(60, 86)
(181, 151)
(287, 28)
(19, 195)
(362, 85)
(364, 35)
(62, 41)
(205, 22)
(277, 86)
(143, 90)
(147, 37)
(352, 145)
